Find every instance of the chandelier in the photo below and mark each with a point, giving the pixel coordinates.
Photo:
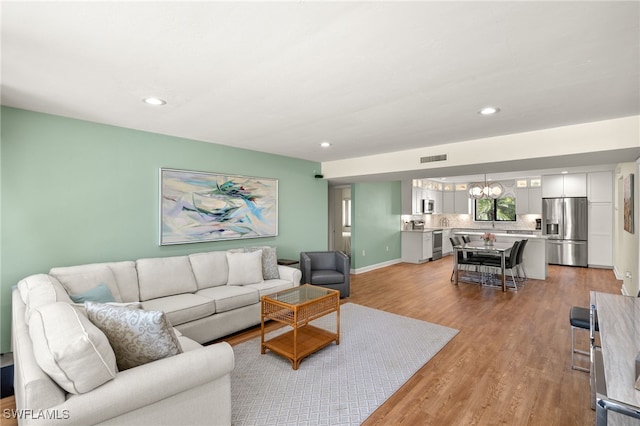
(486, 190)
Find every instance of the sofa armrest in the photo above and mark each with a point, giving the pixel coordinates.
(290, 274)
(148, 384)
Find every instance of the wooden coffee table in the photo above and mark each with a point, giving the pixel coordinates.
(297, 307)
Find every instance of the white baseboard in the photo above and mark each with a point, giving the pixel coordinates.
(376, 266)
(618, 275)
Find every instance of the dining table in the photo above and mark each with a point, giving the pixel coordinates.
(479, 246)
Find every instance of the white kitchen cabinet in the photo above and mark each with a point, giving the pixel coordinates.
(448, 202)
(522, 200)
(417, 194)
(552, 186)
(447, 248)
(535, 200)
(569, 185)
(600, 245)
(427, 245)
(575, 185)
(528, 201)
(436, 196)
(600, 187)
(417, 247)
(461, 202)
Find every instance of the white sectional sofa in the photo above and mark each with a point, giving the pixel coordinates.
(204, 296)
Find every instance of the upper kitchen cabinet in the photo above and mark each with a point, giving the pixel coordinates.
(535, 200)
(461, 199)
(528, 196)
(414, 194)
(455, 198)
(448, 202)
(568, 185)
(436, 196)
(600, 186)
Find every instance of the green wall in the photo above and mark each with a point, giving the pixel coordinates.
(76, 192)
(375, 219)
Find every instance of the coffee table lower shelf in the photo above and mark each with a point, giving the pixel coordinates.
(299, 343)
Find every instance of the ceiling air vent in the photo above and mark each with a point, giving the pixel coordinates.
(432, 158)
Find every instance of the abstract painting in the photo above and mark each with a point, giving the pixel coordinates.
(197, 207)
(628, 203)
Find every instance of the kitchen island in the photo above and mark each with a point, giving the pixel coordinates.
(534, 258)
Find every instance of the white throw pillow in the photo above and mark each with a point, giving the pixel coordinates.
(245, 268)
(71, 350)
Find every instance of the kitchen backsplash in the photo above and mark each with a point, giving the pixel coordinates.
(525, 222)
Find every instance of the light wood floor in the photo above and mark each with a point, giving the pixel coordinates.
(510, 363)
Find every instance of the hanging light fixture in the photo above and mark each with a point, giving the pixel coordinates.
(486, 190)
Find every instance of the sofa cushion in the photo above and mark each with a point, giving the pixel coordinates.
(228, 298)
(326, 276)
(137, 336)
(127, 280)
(210, 269)
(269, 262)
(100, 293)
(165, 276)
(70, 349)
(182, 308)
(271, 286)
(39, 290)
(245, 268)
(79, 279)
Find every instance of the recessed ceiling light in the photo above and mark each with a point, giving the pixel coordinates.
(489, 110)
(564, 172)
(325, 144)
(154, 101)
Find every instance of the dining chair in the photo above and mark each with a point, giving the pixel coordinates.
(466, 262)
(519, 266)
(509, 263)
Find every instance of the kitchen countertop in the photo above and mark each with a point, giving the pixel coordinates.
(498, 233)
(503, 234)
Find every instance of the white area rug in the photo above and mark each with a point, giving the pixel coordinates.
(340, 384)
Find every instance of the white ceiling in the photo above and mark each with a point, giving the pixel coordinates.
(370, 77)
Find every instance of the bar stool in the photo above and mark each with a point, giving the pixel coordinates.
(579, 318)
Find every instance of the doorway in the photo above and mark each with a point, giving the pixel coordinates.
(340, 219)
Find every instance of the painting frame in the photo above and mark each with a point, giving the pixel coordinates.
(628, 201)
(197, 206)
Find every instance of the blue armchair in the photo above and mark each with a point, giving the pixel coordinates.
(330, 269)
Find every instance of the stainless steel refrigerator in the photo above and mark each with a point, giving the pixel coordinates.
(564, 221)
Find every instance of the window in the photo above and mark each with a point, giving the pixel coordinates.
(500, 209)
